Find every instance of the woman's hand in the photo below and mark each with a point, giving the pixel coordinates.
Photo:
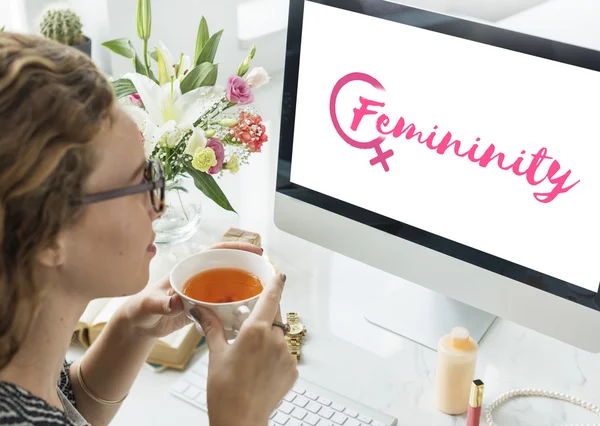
(157, 311)
(248, 378)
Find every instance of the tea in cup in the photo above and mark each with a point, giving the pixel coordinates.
(227, 281)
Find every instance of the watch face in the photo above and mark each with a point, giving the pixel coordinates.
(296, 329)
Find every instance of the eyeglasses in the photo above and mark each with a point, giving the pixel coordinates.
(154, 183)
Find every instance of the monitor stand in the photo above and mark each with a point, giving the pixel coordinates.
(424, 316)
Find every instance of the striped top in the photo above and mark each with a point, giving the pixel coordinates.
(19, 407)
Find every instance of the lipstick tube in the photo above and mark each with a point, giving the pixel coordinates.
(475, 403)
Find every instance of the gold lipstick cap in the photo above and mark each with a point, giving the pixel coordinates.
(476, 397)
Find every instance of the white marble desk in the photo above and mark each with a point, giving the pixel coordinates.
(353, 357)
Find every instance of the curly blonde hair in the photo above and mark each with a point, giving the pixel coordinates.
(53, 101)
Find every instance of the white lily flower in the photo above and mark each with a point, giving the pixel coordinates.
(140, 117)
(197, 140)
(167, 58)
(166, 108)
(183, 66)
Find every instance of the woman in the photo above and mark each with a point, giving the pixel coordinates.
(63, 141)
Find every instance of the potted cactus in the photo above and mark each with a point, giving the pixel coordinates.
(64, 26)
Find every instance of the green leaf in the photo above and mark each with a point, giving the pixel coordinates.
(123, 87)
(139, 66)
(203, 75)
(209, 187)
(121, 46)
(124, 47)
(154, 55)
(209, 50)
(201, 39)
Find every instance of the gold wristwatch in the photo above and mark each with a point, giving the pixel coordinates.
(296, 333)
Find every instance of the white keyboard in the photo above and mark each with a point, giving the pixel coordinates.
(307, 404)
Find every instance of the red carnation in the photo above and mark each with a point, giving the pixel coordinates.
(250, 131)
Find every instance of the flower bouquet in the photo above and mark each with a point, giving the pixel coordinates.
(193, 127)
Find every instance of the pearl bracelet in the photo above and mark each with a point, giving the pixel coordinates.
(538, 392)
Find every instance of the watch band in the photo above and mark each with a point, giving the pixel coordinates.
(294, 342)
(294, 347)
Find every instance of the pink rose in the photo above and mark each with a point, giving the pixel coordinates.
(216, 145)
(239, 91)
(136, 100)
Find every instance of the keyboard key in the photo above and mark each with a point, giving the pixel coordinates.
(324, 401)
(311, 419)
(311, 395)
(376, 423)
(352, 422)
(324, 422)
(326, 413)
(313, 407)
(181, 387)
(299, 413)
(338, 407)
(351, 413)
(192, 392)
(293, 422)
(285, 407)
(281, 419)
(339, 419)
(299, 391)
(273, 414)
(289, 397)
(300, 401)
(365, 419)
(201, 398)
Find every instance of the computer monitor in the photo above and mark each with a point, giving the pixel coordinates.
(459, 156)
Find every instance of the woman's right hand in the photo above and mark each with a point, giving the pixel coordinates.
(248, 378)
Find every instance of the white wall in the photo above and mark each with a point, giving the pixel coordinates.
(12, 15)
(487, 10)
(570, 21)
(94, 15)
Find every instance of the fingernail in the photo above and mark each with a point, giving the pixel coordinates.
(171, 302)
(262, 250)
(283, 277)
(195, 313)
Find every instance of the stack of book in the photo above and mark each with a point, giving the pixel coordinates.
(174, 350)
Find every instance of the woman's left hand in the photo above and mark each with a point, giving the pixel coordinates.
(157, 311)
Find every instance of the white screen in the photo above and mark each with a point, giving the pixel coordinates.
(514, 101)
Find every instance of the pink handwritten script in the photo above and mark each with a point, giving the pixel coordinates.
(385, 127)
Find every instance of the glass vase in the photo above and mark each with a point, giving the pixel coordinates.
(182, 216)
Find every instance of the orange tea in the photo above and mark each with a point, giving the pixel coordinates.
(222, 285)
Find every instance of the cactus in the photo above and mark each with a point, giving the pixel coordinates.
(62, 25)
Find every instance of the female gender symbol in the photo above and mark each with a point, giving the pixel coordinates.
(381, 156)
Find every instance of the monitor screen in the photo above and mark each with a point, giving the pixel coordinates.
(475, 141)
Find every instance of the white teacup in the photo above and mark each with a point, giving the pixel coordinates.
(232, 314)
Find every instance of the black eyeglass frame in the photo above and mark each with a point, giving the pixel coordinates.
(149, 186)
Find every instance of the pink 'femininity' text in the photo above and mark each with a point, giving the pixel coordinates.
(530, 168)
